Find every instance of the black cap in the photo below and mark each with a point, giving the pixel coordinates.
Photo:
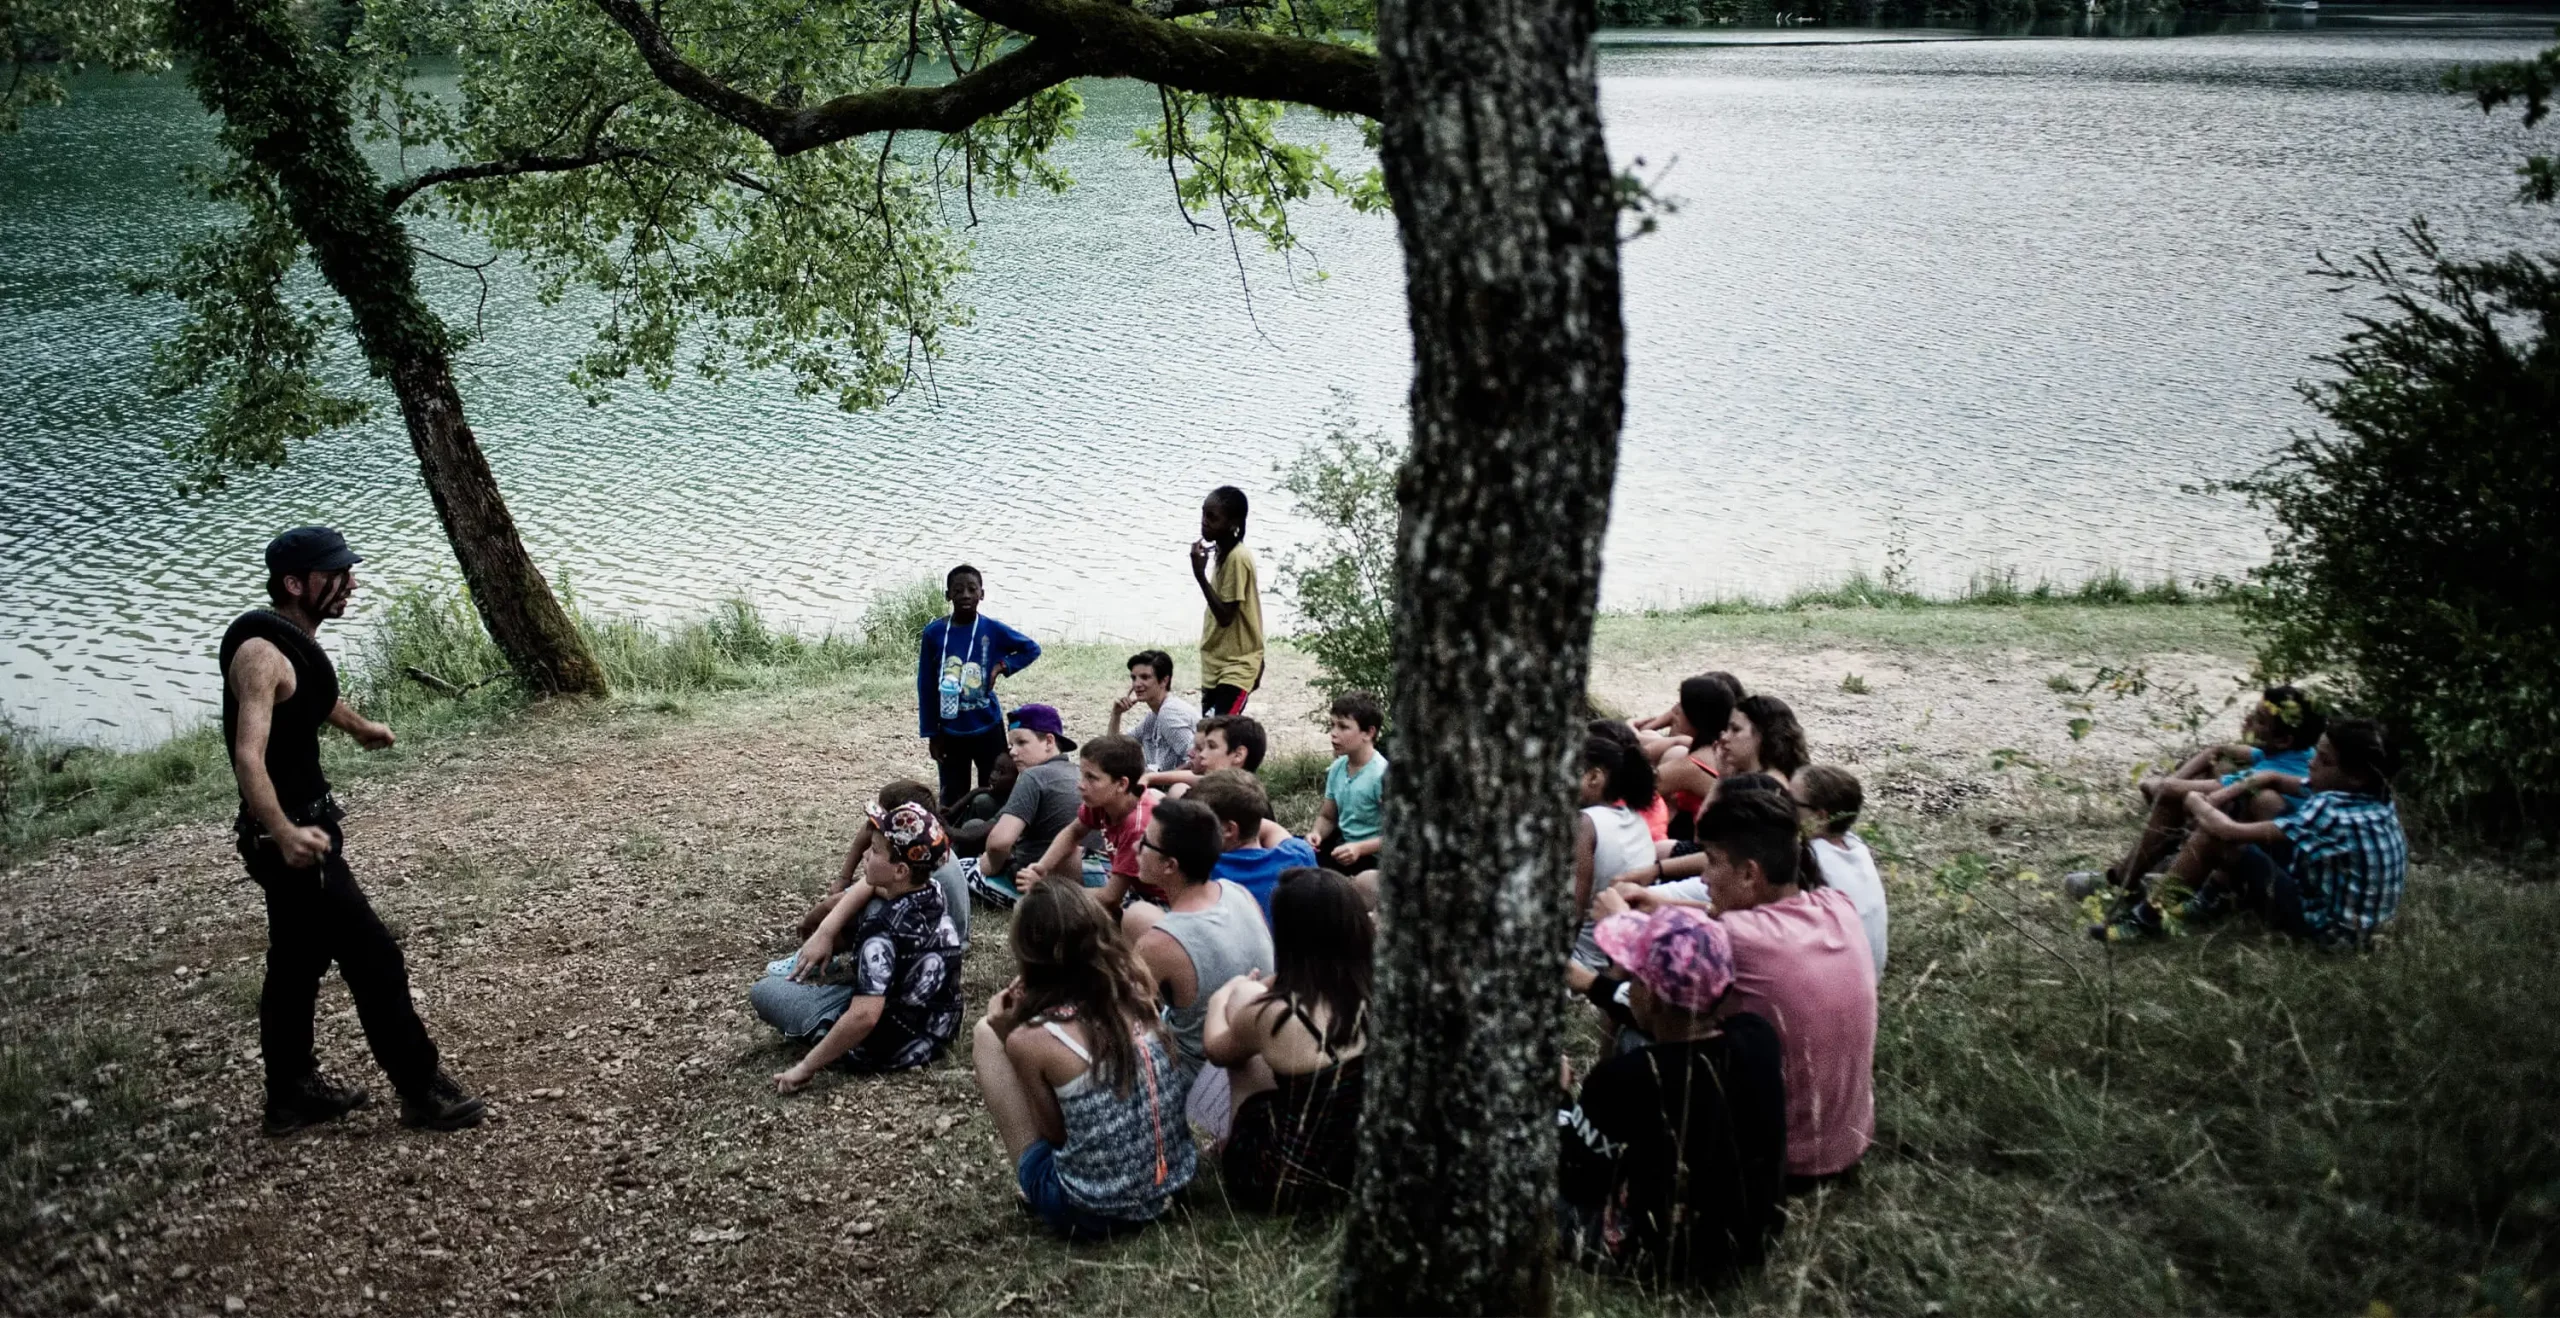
(309, 549)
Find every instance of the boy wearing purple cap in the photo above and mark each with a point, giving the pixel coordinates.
(1674, 1154)
(1044, 803)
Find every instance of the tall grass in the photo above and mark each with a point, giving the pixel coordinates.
(434, 630)
(50, 789)
(1995, 588)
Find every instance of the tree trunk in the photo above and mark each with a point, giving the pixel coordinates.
(1493, 153)
(284, 108)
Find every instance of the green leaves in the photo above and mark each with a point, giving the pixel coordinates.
(40, 40)
(1346, 485)
(248, 348)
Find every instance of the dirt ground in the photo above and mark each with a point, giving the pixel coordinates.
(584, 898)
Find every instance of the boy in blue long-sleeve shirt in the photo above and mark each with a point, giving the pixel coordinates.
(957, 665)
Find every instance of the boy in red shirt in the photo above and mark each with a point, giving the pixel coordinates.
(1116, 806)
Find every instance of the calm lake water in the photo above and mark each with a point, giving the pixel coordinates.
(1984, 303)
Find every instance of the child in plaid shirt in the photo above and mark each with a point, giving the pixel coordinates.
(2331, 871)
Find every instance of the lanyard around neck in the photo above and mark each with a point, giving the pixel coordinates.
(973, 640)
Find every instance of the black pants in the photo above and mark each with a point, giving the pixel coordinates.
(958, 757)
(315, 917)
(1326, 841)
(1226, 701)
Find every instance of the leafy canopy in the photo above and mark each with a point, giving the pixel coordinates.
(692, 238)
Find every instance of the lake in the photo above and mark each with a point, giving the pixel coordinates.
(1970, 304)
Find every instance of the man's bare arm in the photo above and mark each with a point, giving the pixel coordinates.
(368, 734)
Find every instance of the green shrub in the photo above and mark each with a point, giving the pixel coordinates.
(1346, 584)
(2418, 557)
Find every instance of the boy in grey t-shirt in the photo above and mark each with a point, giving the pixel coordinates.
(1043, 803)
(1165, 734)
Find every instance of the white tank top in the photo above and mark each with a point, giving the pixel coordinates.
(1619, 842)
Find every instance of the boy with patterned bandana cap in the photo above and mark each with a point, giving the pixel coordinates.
(892, 1002)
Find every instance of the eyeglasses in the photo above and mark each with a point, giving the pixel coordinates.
(1149, 844)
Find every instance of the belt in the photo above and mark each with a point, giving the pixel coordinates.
(323, 809)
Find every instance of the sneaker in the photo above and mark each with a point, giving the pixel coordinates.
(313, 1101)
(2133, 922)
(2081, 885)
(443, 1107)
(2211, 904)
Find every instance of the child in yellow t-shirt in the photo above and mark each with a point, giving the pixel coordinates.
(1231, 629)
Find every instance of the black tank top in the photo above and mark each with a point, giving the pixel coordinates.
(293, 742)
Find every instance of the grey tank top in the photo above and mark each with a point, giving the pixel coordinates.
(1223, 942)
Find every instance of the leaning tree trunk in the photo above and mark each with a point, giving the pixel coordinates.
(1493, 153)
(284, 108)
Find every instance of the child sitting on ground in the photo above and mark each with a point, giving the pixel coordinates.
(1079, 1075)
(2331, 871)
(948, 876)
(1653, 809)
(1208, 932)
(1115, 806)
(1256, 848)
(1609, 837)
(1801, 962)
(1170, 725)
(1292, 1047)
(1673, 1154)
(1828, 799)
(1349, 828)
(893, 1001)
(2274, 759)
(1223, 742)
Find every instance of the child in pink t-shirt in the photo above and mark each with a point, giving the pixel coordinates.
(1801, 962)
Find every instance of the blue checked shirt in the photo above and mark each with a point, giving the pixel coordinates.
(2352, 860)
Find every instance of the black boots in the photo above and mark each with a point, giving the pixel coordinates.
(311, 1102)
(443, 1107)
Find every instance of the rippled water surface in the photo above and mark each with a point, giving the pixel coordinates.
(1990, 303)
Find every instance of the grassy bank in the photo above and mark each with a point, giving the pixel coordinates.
(50, 790)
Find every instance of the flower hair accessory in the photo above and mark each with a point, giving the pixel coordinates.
(915, 836)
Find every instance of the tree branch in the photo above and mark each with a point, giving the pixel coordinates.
(399, 193)
(1069, 39)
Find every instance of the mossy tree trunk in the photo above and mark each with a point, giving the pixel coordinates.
(1492, 150)
(284, 109)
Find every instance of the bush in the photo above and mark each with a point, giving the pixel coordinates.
(2418, 552)
(2418, 557)
(1346, 584)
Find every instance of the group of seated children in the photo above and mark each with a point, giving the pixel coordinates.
(1734, 940)
(1183, 962)
(1105, 1052)
(2300, 829)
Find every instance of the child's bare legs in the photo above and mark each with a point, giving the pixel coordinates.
(1137, 919)
(1000, 1087)
(2265, 806)
(1243, 1082)
(2161, 827)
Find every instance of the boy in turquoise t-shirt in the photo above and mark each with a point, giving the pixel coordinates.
(1347, 833)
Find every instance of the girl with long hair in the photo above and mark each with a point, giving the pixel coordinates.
(1078, 1073)
(1293, 1047)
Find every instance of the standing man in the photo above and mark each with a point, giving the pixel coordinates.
(957, 664)
(1164, 735)
(278, 688)
(1231, 627)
